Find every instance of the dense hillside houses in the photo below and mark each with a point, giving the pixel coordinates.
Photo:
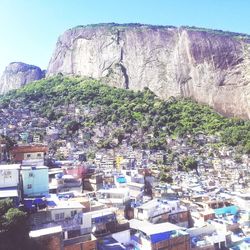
(138, 183)
(123, 200)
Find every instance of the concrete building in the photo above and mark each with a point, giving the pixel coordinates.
(48, 239)
(9, 175)
(22, 153)
(10, 182)
(53, 238)
(243, 200)
(148, 236)
(114, 196)
(136, 191)
(35, 181)
(157, 211)
(100, 221)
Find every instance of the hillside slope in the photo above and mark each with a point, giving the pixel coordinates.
(85, 106)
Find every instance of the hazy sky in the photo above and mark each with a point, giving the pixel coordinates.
(30, 28)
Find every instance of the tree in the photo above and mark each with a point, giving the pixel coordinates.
(5, 205)
(73, 126)
(238, 159)
(119, 134)
(166, 178)
(247, 148)
(14, 231)
(8, 141)
(51, 115)
(188, 163)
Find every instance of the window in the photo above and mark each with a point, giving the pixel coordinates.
(29, 186)
(31, 175)
(39, 155)
(140, 210)
(28, 155)
(59, 216)
(73, 213)
(6, 173)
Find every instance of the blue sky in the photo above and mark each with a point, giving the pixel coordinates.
(30, 28)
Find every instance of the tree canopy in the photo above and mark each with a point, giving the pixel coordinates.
(14, 231)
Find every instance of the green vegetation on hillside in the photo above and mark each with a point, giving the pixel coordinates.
(118, 26)
(218, 32)
(128, 109)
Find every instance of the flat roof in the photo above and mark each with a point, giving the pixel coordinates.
(33, 167)
(135, 193)
(151, 229)
(102, 211)
(113, 190)
(45, 231)
(66, 205)
(102, 214)
(150, 204)
(243, 195)
(8, 193)
(55, 171)
(135, 184)
(29, 149)
(11, 166)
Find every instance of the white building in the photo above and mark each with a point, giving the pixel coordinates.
(66, 210)
(52, 131)
(9, 175)
(243, 200)
(150, 210)
(10, 182)
(162, 210)
(115, 196)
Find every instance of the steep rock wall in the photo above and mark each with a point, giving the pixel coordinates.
(17, 74)
(207, 66)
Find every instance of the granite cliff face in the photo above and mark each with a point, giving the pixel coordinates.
(208, 66)
(17, 74)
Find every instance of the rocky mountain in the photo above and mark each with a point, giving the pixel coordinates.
(17, 74)
(211, 67)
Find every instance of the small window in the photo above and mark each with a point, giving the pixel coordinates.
(28, 155)
(31, 175)
(140, 210)
(29, 186)
(39, 155)
(59, 216)
(73, 213)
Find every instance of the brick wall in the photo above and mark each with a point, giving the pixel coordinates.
(88, 245)
(50, 242)
(177, 243)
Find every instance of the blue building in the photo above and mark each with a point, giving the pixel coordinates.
(35, 181)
